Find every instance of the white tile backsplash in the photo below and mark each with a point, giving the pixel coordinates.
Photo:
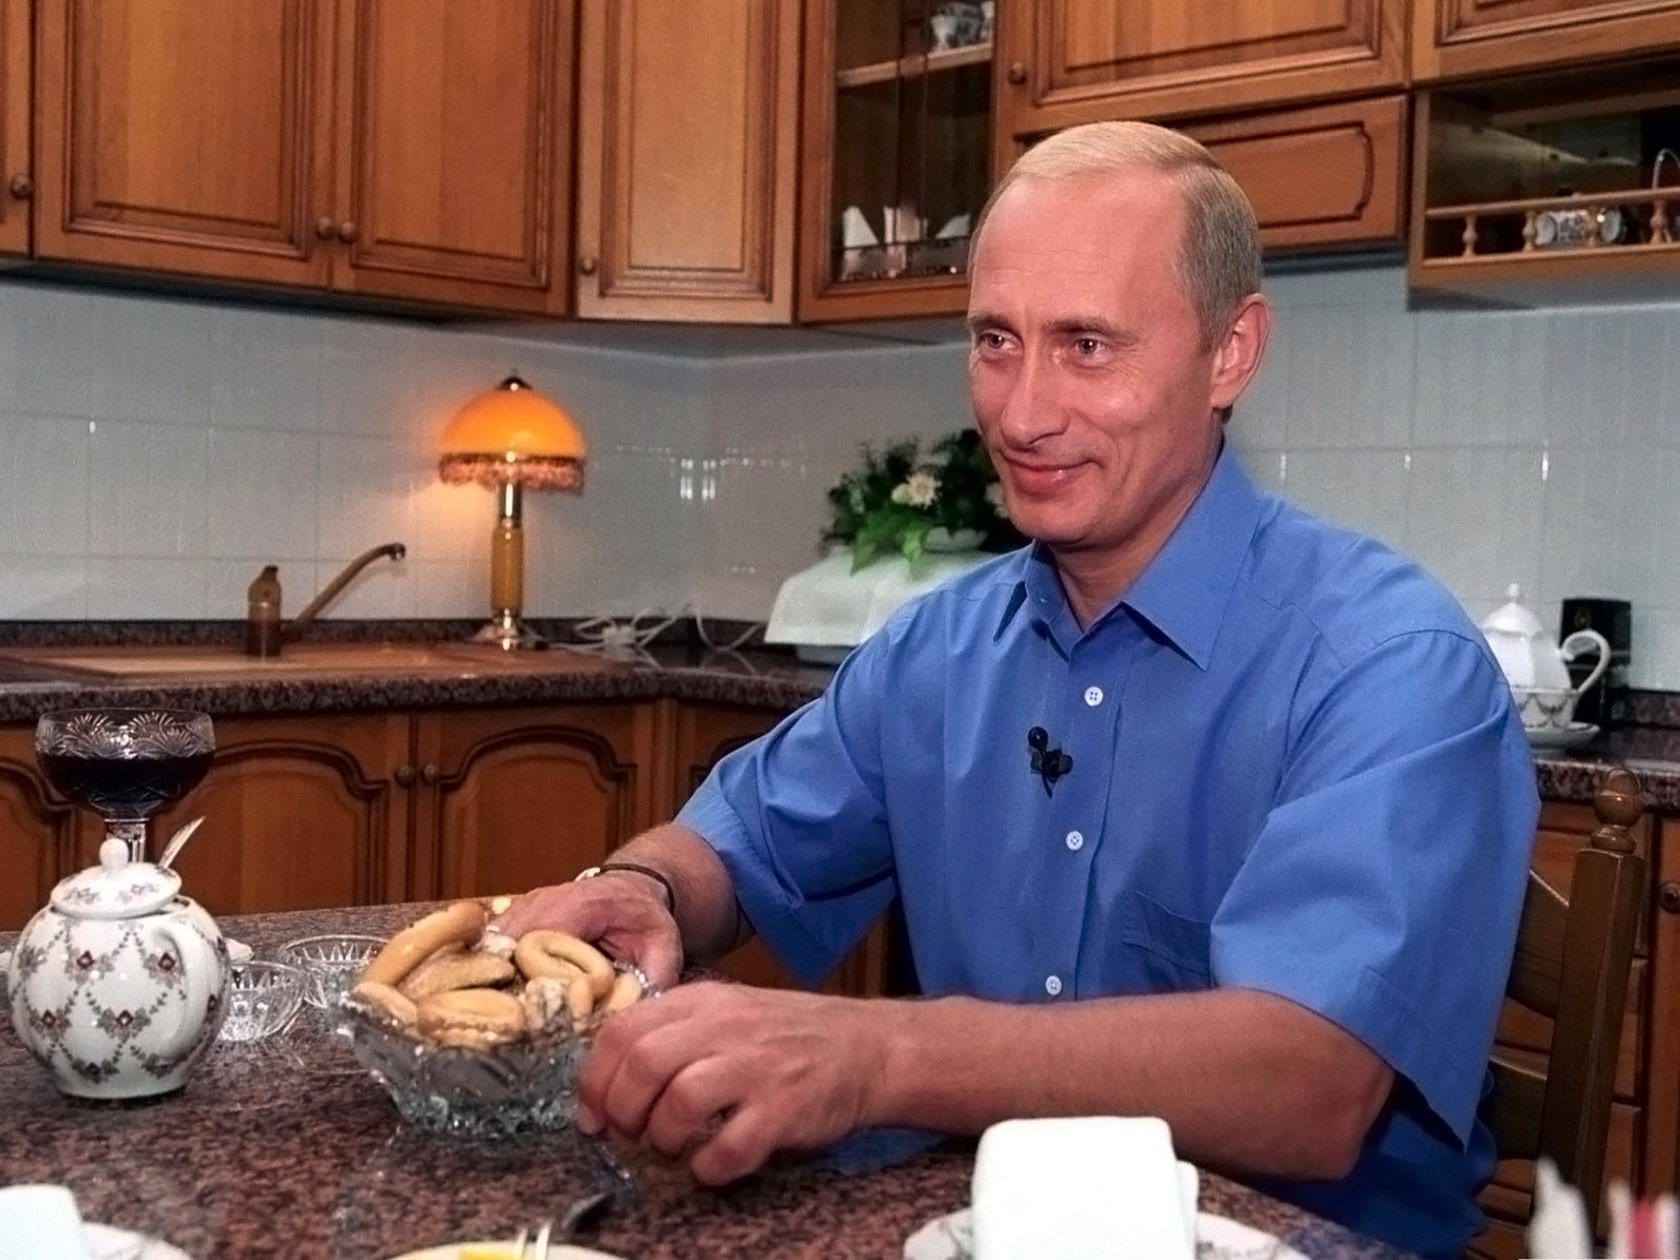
(154, 452)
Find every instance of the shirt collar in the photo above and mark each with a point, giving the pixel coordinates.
(1183, 591)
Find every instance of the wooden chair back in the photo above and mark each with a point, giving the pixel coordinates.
(1571, 965)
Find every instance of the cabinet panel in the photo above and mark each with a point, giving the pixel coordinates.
(174, 135)
(1068, 61)
(1509, 1196)
(1330, 176)
(299, 813)
(687, 131)
(518, 799)
(1455, 38)
(17, 183)
(454, 164)
(37, 831)
(1662, 1099)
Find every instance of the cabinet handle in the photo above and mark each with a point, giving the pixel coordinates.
(404, 775)
(348, 231)
(23, 187)
(325, 228)
(1668, 897)
(586, 264)
(429, 772)
(1017, 72)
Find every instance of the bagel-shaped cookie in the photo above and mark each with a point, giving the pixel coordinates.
(580, 999)
(456, 968)
(388, 1002)
(544, 1000)
(561, 955)
(474, 1018)
(626, 991)
(460, 924)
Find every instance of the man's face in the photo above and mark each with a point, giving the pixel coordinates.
(1088, 377)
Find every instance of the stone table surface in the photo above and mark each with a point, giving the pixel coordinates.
(287, 1148)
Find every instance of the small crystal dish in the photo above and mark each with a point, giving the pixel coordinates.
(332, 964)
(525, 1086)
(262, 998)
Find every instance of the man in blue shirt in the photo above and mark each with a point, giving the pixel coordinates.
(1197, 807)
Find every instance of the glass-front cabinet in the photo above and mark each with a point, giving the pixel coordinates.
(897, 133)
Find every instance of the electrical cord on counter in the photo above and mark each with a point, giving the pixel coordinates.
(630, 640)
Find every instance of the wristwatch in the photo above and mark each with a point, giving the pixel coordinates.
(590, 872)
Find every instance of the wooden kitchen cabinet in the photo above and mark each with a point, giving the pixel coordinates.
(17, 171)
(1455, 39)
(1070, 61)
(38, 831)
(895, 119)
(1332, 176)
(300, 812)
(687, 140)
(508, 800)
(414, 150)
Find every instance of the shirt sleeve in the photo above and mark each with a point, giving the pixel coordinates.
(799, 821)
(1384, 890)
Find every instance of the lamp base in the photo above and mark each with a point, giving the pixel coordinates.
(507, 632)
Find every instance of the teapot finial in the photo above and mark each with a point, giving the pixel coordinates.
(1513, 592)
(113, 853)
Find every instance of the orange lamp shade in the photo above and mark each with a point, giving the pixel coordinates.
(512, 435)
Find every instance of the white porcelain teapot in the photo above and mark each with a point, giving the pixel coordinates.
(118, 985)
(1536, 666)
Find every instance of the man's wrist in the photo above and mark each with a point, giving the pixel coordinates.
(634, 868)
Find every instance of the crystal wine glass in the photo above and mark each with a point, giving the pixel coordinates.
(125, 764)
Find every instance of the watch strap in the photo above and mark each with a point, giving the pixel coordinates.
(637, 869)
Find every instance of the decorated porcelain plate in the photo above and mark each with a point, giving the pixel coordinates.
(109, 1243)
(1571, 736)
(1217, 1238)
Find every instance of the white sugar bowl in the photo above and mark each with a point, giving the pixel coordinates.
(118, 985)
(1536, 666)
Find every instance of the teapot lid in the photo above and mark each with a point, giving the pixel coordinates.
(116, 888)
(1513, 618)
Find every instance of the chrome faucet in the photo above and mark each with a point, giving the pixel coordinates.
(265, 632)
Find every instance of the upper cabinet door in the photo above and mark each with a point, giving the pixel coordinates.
(17, 179)
(1072, 61)
(454, 160)
(179, 135)
(688, 128)
(1456, 38)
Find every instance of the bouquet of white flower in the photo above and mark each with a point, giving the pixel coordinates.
(898, 497)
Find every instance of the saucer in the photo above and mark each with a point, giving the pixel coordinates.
(1571, 736)
(949, 1237)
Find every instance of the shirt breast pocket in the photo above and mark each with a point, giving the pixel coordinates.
(1170, 950)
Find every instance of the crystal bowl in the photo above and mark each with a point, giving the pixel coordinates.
(262, 997)
(331, 964)
(526, 1086)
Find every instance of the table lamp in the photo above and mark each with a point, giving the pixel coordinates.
(508, 438)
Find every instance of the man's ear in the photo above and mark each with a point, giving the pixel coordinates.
(1237, 358)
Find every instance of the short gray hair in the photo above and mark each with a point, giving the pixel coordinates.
(1219, 257)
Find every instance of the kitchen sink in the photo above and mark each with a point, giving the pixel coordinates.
(302, 658)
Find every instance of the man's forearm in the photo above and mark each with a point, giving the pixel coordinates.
(1248, 1081)
(706, 912)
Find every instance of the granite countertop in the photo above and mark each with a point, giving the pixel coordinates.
(756, 677)
(287, 1148)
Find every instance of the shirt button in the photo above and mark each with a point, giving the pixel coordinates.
(1093, 696)
(1076, 840)
(1053, 985)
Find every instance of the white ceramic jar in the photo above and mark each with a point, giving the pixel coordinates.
(118, 985)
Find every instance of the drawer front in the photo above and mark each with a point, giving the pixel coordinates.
(1329, 177)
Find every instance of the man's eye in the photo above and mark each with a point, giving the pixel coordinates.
(1087, 346)
(990, 340)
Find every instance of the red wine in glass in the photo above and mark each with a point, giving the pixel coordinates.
(125, 764)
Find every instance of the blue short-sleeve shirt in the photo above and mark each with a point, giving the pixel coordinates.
(1296, 769)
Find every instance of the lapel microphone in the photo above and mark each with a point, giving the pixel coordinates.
(1048, 763)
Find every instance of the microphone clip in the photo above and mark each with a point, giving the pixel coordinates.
(1048, 763)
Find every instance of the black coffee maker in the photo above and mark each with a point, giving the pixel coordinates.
(1606, 705)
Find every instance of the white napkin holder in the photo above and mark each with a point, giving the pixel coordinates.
(1083, 1187)
(42, 1223)
(827, 610)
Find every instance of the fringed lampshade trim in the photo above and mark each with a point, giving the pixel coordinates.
(540, 472)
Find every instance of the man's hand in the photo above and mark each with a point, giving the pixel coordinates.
(727, 1074)
(622, 912)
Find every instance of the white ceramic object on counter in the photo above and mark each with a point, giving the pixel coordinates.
(1537, 667)
(118, 985)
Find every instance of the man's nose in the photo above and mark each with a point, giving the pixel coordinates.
(1032, 410)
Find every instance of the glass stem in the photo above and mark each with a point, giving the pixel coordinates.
(132, 832)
